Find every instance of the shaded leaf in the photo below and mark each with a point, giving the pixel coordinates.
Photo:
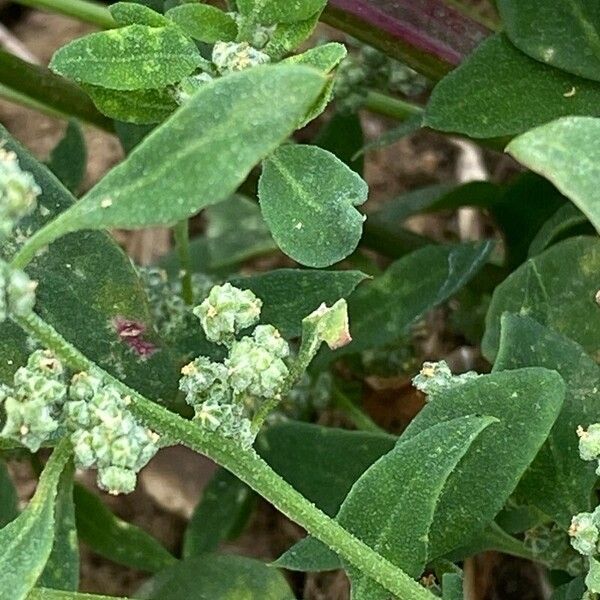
(135, 57)
(261, 106)
(204, 22)
(225, 505)
(499, 91)
(307, 196)
(309, 555)
(382, 310)
(48, 594)
(570, 591)
(324, 58)
(564, 34)
(556, 288)
(558, 482)
(391, 136)
(566, 152)
(26, 542)
(115, 539)
(526, 402)
(288, 36)
(213, 576)
(69, 157)
(62, 569)
(9, 501)
(452, 587)
(289, 295)
(343, 136)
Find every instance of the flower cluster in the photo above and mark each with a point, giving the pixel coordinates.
(436, 377)
(18, 192)
(589, 443)
(42, 405)
(229, 57)
(105, 435)
(225, 395)
(17, 292)
(585, 532)
(33, 404)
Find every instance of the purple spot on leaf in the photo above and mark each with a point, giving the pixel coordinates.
(131, 333)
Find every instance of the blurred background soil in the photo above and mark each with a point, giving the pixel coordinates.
(172, 484)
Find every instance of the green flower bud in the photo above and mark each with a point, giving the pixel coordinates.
(589, 442)
(17, 292)
(18, 192)
(29, 422)
(202, 378)
(435, 377)
(584, 534)
(116, 480)
(84, 387)
(229, 57)
(85, 456)
(254, 370)
(269, 338)
(227, 311)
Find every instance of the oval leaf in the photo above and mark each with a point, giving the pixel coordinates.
(136, 57)
(567, 152)
(133, 13)
(204, 22)
(500, 91)
(307, 196)
(561, 33)
(269, 12)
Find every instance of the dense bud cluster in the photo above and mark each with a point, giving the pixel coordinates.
(435, 377)
(585, 532)
(227, 311)
(589, 443)
(17, 292)
(229, 57)
(33, 404)
(18, 192)
(105, 435)
(226, 395)
(41, 406)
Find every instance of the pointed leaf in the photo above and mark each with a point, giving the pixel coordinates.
(135, 57)
(204, 22)
(134, 13)
(9, 501)
(324, 58)
(69, 157)
(307, 196)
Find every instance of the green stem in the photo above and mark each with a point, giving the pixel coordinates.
(389, 106)
(181, 233)
(361, 420)
(84, 10)
(34, 85)
(246, 465)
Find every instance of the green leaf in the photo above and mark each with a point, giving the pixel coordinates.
(382, 310)
(204, 22)
(9, 501)
(135, 57)
(452, 587)
(26, 542)
(287, 37)
(158, 182)
(526, 402)
(141, 107)
(564, 34)
(568, 220)
(291, 294)
(222, 577)
(570, 591)
(309, 555)
(269, 12)
(391, 136)
(325, 58)
(322, 463)
(236, 232)
(499, 91)
(62, 569)
(48, 594)
(223, 509)
(69, 157)
(134, 13)
(556, 288)
(395, 518)
(558, 482)
(592, 579)
(80, 296)
(566, 152)
(115, 539)
(307, 196)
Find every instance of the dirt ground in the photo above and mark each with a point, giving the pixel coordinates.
(172, 484)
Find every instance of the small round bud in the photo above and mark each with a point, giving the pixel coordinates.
(589, 442)
(29, 422)
(84, 386)
(584, 534)
(269, 338)
(230, 57)
(116, 480)
(85, 456)
(200, 377)
(17, 292)
(226, 311)
(18, 192)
